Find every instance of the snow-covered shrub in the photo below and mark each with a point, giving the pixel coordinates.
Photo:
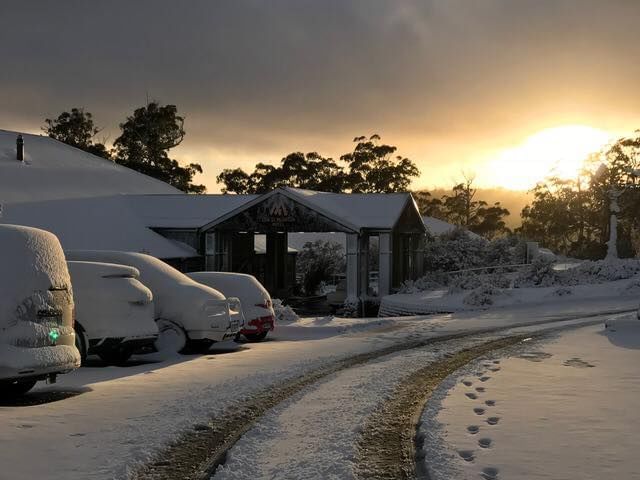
(539, 274)
(633, 286)
(455, 251)
(602, 271)
(562, 292)
(350, 309)
(318, 262)
(482, 296)
(430, 281)
(284, 313)
(464, 281)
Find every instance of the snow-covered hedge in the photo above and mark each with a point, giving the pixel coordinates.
(542, 274)
(482, 296)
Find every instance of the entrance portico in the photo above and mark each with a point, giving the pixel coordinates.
(393, 218)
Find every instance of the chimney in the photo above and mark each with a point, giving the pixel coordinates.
(20, 148)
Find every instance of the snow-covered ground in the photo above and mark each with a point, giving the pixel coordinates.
(442, 300)
(118, 417)
(559, 409)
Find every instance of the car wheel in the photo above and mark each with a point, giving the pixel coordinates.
(117, 356)
(15, 388)
(81, 343)
(256, 337)
(171, 338)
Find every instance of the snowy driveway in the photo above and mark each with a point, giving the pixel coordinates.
(122, 416)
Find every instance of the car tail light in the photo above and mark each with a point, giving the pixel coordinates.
(266, 304)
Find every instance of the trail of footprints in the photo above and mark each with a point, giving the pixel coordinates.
(483, 411)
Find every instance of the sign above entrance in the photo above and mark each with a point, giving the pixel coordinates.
(279, 213)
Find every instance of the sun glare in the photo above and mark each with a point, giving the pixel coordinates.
(558, 151)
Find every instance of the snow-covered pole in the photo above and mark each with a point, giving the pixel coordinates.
(20, 148)
(614, 209)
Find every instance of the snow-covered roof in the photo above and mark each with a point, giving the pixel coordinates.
(363, 210)
(184, 211)
(52, 170)
(440, 227)
(78, 196)
(98, 223)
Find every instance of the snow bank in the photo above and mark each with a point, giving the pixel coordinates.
(284, 313)
(563, 408)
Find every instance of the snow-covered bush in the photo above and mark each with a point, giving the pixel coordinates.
(430, 281)
(539, 274)
(350, 309)
(461, 282)
(602, 271)
(455, 251)
(318, 262)
(562, 292)
(482, 296)
(284, 313)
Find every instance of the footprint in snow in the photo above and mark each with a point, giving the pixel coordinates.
(577, 362)
(495, 369)
(484, 442)
(467, 383)
(496, 362)
(490, 403)
(484, 379)
(489, 473)
(480, 389)
(473, 429)
(472, 396)
(466, 455)
(493, 420)
(478, 411)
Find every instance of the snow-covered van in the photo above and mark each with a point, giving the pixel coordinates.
(257, 308)
(190, 316)
(36, 310)
(114, 311)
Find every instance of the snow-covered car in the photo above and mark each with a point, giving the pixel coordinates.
(36, 310)
(114, 311)
(190, 316)
(257, 308)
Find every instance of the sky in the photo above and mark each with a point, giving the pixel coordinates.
(487, 87)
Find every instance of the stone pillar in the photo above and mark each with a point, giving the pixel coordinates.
(353, 268)
(386, 259)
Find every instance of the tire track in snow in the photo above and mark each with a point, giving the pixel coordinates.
(387, 447)
(197, 453)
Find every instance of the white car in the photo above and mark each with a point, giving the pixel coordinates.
(257, 308)
(190, 316)
(36, 310)
(114, 311)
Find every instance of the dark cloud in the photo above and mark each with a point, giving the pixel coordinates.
(260, 77)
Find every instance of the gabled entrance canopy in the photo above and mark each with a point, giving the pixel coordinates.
(280, 210)
(394, 218)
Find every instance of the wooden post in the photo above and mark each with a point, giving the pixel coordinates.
(386, 262)
(353, 268)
